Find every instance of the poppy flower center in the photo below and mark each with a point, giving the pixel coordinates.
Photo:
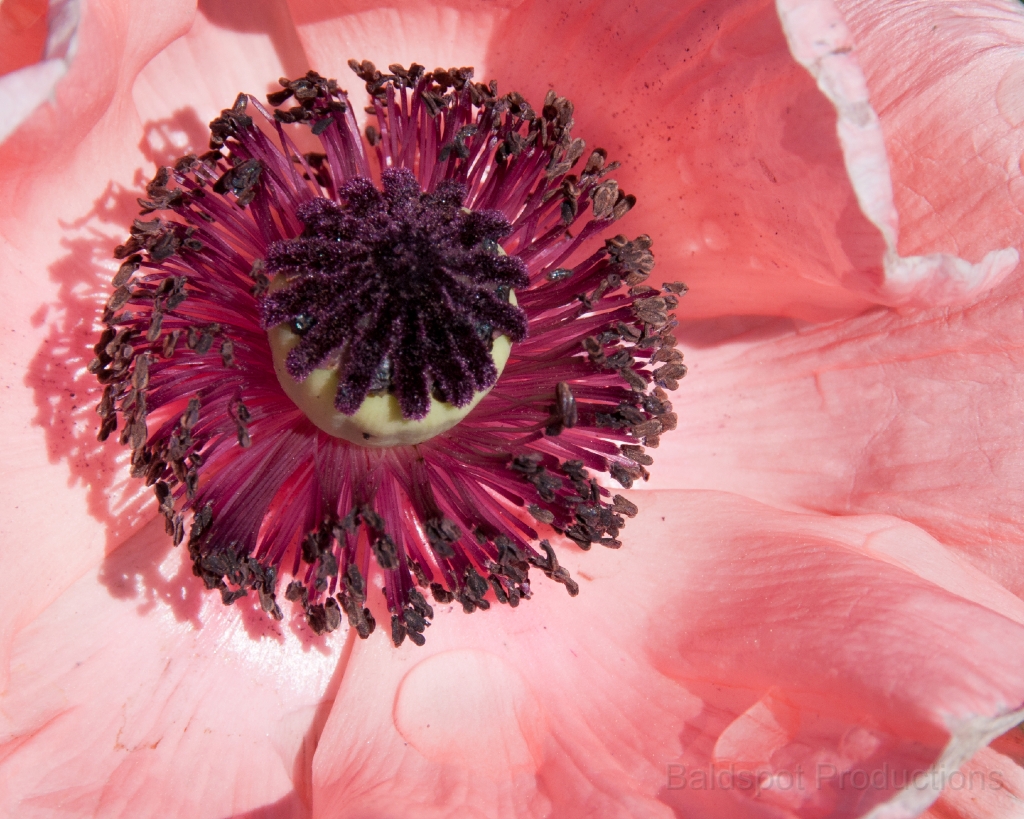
(390, 315)
(302, 350)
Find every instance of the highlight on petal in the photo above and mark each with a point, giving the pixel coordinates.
(918, 417)
(935, 189)
(24, 89)
(134, 695)
(728, 640)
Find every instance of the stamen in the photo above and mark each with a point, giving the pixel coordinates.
(465, 275)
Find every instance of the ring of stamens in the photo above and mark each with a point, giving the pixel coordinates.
(256, 489)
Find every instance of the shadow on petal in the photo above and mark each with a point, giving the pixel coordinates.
(66, 395)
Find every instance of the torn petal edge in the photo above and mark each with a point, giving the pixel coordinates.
(820, 41)
(24, 90)
(969, 737)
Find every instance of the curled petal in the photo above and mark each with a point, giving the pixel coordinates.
(923, 144)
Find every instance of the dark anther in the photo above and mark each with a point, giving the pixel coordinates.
(669, 375)
(170, 342)
(636, 382)
(543, 515)
(163, 496)
(625, 474)
(191, 415)
(385, 552)
(275, 98)
(624, 507)
(634, 258)
(242, 418)
(242, 180)
(549, 565)
(227, 352)
(647, 428)
(528, 464)
(473, 590)
(314, 544)
(398, 630)
(156, 322)
(441, 534)
(441, 594)
(351, 597)
(140, 377)
(324, 618)
(322, 125)
(651, 311)
(126, 270)
(230, 122)
(564, 414)
(296, 591)
(636, 454)
(604, 198)
(667, 355)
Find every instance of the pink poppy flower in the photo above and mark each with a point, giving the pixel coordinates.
(818, 610)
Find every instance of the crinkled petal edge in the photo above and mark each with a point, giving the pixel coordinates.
(968, 738)
(820, 41)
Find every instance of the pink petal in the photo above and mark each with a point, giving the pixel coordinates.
(230, 48)
(929, 104)
(58, 479)
(757, 202)
(136, 694)
(38, 45)
(957, 176)
(334, 31)
(729, 208)
(22, 33)
(108, 48)
(723, 633)
(917, 417)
